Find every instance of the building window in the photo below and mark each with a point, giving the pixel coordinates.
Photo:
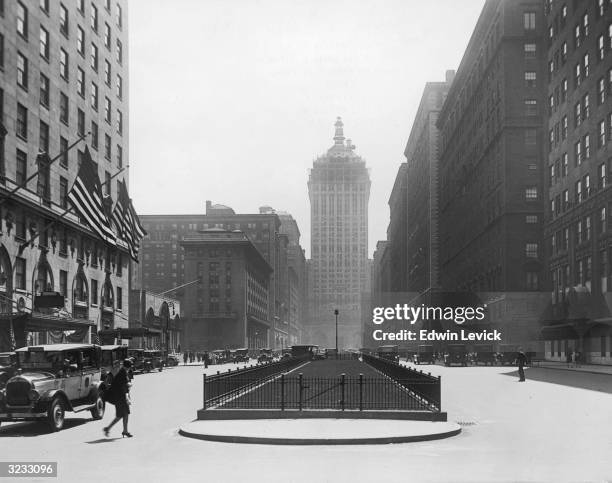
(530, 51)
(22, 71)
(600, 47)
(80, 123)
(601, 175)
(107, 36)
(107, 147)
(107, 72)
(63, 192)
(119, 87)
(119, 156)
(94, 57)
(119, 122)
(578, 153)
(63, 283)
(532, 281)
(63, 64)
(63, 152)
(531, 219)
(21, 170)
(531, 193)
(107, 183)
(587, 146)
(63, 20)
(22, 20)
(64, 108)
(119, 298)
(601, 91)
(577, 75)
(94, 292)
(44, 43)
(564, 90)
(43, 139)
(44, 90)
(530, 79)
(80, 41)
(20, 273)
(577, 114)
(586, 110)
(94, 17)
(81, 82)
(529, 20)
(564, 165)
(531, 107)
(119, 16)
(94, 96)
(119, 51)
(531, 250)
(94, 135)
(602, 134)
(107, 110)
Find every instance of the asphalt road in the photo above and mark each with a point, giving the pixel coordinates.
(532, 431)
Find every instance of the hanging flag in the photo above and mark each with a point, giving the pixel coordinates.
(127, 221)
(86, 198)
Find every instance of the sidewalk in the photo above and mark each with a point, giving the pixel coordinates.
(591, 368)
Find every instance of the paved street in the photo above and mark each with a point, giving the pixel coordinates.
(511, 431)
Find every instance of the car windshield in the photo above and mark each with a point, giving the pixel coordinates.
(5, 360)
(51, 361)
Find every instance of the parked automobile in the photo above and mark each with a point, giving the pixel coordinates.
(265, 355)
(320, 354)
(389, 352)
(112, 360)
(484, 354)
(138, 360)
(425, 355)
(241, 355)
(52, 379)
(456, 354)
(506, 354)
(172, 360)
(8, 367)
(153, 360)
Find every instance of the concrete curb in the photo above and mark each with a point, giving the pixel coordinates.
(297, 441)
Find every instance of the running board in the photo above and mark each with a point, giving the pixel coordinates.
(85, 407)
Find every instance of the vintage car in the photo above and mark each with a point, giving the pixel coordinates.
(484, 354)
(424, 355)
(172, 360)
(153, 360)
(220, 356)
(8, 367)
(456, 354)
(240, 355)
(138, 360)
(506, 354)
(265, 355)
(112, 360)
(388, 352)
(320, 354)
(52, 379)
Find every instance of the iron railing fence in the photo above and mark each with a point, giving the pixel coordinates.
(343, 356)
(424, 386)
(226, 385)
(298, 392)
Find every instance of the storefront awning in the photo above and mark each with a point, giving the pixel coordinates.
(37, 322)
(130, 332)
(558, 331)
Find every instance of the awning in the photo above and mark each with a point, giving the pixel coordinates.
(37, 322)
(129, 332)
(558, 331)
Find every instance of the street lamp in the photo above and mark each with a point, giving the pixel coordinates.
(336, 313)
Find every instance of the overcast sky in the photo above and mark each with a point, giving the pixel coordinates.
(231, 100)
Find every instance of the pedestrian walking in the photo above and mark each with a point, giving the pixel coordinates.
(521, 359)
(206, 360)
(574, 359)
(185, 357)
(569, 358)
(119, 395)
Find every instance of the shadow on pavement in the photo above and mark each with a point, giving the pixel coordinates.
(581, 380)
(102, 440)
(36, 428)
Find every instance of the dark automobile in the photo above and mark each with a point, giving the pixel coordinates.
(112, 360)
(265, 355)
(425, 355)
(506, 354)
(52, 379)
(172, 360)
(221, 356)
(153, 360)
(137, 358)
(307, 351)
(389, 352)
(8, 367)
(241, 355)
(484, 354)
(456, 354)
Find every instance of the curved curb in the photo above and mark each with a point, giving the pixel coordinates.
(316, 441)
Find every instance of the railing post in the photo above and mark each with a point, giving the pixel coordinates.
(300, 376)
(204, 391)
(361, 392)
(282, 391)
(342, 380)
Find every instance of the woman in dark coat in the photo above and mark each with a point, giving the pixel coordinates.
(118, 394)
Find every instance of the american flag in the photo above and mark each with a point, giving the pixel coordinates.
(86, 198)
(127, 221)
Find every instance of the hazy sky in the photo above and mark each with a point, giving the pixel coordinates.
(231, 100)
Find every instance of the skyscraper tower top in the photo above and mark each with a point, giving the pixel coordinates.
(339, 136)
(341, 149)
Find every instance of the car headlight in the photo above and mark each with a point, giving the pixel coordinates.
(34, 396)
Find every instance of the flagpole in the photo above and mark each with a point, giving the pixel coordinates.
(62, 215)
(31, 177)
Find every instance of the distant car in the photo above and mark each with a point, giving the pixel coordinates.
(456, 354)
(172, 360)
(320, 354)
(425, 355)
(388, 352)
(8, 367)
(137, 358)
(153, 360)
(506, 354)
(241, 355)
(52, 379)
(484, 354)
(265, 355)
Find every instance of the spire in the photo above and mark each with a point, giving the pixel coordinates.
(339, 136)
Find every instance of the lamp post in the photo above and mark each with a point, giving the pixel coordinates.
(336, 313)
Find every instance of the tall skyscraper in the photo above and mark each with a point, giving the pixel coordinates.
(339, 190)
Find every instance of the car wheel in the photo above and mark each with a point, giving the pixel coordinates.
(97, 412)
(56, 414)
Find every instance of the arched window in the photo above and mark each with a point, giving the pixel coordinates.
(6, 281)
(43, 279)
(79, 289)
(108, 296)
